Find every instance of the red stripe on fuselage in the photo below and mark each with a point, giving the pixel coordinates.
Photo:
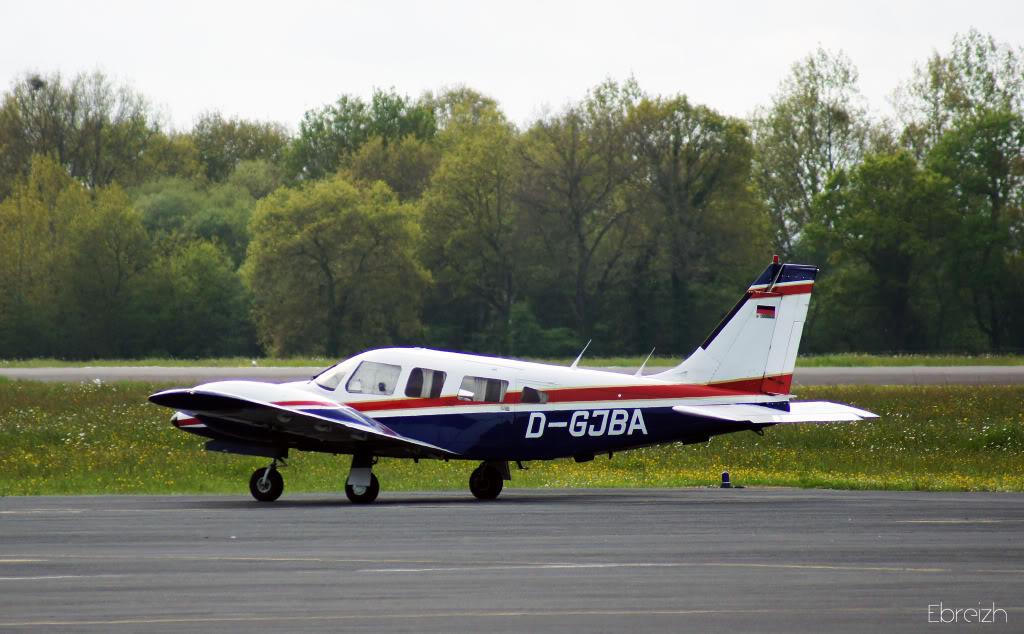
(571, 395)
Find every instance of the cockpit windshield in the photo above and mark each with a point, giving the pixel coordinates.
(330, 378)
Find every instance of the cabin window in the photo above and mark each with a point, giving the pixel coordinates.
(374, 378)
(424, 383)
(475, 388)
(531, 395)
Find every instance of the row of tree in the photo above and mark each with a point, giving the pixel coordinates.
(629, 218)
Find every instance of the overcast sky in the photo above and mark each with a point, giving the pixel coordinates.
(275, 60)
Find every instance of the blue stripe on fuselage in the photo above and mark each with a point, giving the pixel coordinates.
(523, 435)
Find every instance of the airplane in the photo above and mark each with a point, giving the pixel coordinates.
(430, 404)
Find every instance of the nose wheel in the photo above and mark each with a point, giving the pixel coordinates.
(266, 484)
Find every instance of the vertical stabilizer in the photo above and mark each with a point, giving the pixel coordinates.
(755, 346)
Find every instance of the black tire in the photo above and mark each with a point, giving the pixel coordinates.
(266, 490)
(367, 496)
(485, 482)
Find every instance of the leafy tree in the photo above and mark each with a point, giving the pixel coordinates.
(575, 166)
(696, 164)
(458, 104)
(477, 244)
(328, 135)
(258, 177)
(977, 75)
(814, 126)
(884, 222)
(405, 164)
(332, 266)
(223, 143)
(984, 156)
(220, 213)
(35, 240)
(93, 128)
(194, 303)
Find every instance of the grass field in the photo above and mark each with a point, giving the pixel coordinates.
(829, 360)
(67, 439)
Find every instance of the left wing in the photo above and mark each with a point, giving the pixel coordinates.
(800, 412)
(329, 422)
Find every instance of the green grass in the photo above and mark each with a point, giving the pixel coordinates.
(67, 439)
(828, 360)
(856, 359)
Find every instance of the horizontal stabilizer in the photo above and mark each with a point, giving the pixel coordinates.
(799, 412)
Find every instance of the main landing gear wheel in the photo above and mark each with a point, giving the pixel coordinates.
(363, 495)
(266, 484)
(486, 482)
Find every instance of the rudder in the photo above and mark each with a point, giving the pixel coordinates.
(755, 346)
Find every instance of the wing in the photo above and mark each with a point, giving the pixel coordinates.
(338, 427)
(801, 412)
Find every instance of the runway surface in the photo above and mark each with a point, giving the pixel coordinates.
(913, 375)
(580, 560)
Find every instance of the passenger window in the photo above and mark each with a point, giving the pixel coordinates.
(531, 395)
(374, 378)
(475, 388)
(424, 383)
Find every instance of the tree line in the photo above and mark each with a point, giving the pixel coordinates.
(627, 218)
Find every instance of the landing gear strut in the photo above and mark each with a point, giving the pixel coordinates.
(266, 484)
(362, 487)
(487, 480)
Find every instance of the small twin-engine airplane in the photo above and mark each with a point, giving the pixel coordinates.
(417, 403)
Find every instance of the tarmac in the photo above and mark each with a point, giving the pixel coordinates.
(754, 559)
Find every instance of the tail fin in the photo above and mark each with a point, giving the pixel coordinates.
(754, 348)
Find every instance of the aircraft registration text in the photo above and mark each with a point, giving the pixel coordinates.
(600, 422)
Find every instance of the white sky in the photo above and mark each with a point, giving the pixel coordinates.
(275, 60)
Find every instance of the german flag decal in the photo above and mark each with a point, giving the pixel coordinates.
(766, 312)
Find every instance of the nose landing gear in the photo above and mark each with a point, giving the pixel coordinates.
(266, 484)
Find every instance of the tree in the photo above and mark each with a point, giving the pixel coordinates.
(884, 222)
(458, 104)
(696, 164)
(575, 166)
(96, 130)
(476, 242)
(110, 250)
(977, 75)
(332, 266)
(35, 240)
(405, 164)
(984, 156)
(220, 213)
(258, 177)
(814, 126)
(328, 135)
(223, 143)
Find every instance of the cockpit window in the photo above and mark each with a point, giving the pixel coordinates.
(332, 377)
(374, 378)
(424, 383)
(475, 388)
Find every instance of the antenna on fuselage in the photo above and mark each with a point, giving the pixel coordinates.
(576, 362)
(644, 363)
